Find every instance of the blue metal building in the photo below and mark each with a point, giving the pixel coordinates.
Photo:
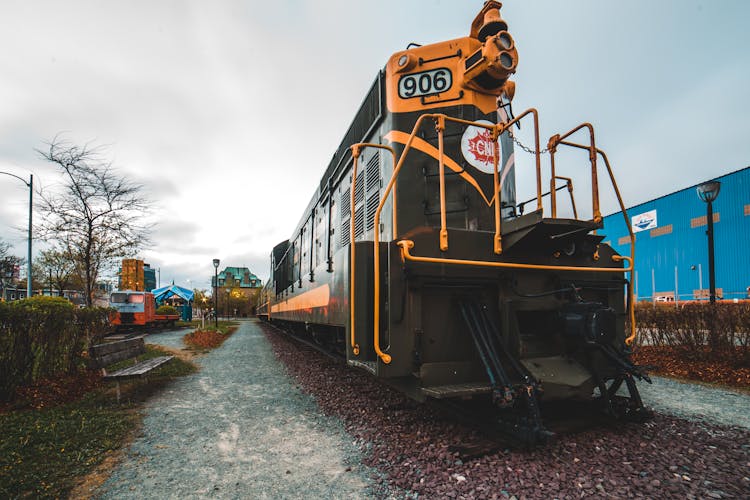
(671, 245)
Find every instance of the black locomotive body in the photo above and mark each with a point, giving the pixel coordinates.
(429, 274)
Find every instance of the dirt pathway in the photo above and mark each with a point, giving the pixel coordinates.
(239, 428)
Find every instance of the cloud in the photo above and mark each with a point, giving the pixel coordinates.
(229, 112)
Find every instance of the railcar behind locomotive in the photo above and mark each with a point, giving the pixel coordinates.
(415, 260)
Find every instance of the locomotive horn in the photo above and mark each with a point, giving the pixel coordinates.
(490, 66)
(488, 22)
(493, 24)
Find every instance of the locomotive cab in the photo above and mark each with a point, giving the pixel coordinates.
(132, 308)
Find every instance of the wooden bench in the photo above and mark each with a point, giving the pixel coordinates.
(103, 355)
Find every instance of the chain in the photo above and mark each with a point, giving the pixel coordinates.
(525, 148)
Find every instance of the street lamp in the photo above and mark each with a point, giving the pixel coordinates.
(30, 184)
(216, 299)
(708, 192)
(226, 303)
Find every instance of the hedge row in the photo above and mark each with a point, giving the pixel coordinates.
(43, 337)
(721, 330)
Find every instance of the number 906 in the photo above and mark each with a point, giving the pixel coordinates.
(425, 83)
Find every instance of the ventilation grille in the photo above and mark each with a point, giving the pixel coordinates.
(373, 172)
(344, 217)
(346, 204)
(366, 201)
(359, 223)
(372, 207)
(373, 189)
(359, 191)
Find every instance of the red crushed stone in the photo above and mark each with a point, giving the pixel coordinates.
(411, 443)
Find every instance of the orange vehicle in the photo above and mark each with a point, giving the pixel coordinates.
(138, 309)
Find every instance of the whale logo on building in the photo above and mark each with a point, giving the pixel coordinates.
(644, 221)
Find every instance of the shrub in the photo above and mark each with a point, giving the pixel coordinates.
(43, 337)
(166, 310)
(697, 328)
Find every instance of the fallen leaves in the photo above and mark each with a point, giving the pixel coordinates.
(204, 339)
(676, 362)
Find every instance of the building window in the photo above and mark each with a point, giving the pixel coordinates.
(703, 220)
(625, 240)
(660, 231)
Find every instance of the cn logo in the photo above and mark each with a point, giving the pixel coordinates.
(479, 149)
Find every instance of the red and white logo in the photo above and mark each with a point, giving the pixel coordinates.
(479, 149)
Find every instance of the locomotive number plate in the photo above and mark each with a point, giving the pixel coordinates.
(425, 83)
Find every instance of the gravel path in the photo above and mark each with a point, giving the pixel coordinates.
(695, 401)
(239, 428)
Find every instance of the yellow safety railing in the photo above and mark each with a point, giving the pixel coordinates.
(553, 194)
(557, 140)
(554, 141)
(495, 131)
(356, 152)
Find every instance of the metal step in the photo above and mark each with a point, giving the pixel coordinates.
(456, 390)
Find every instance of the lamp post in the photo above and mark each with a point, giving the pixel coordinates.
(30, 185)
(708, 192)
(216, 298)
(226, 303)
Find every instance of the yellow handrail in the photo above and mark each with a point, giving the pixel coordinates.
(384, 357)
(440, 127)
(498, 246)
(553, 195)
(552, 147)
(553, 142)
(496, 131)
(406, 245)
(356, 151)
(352, 206)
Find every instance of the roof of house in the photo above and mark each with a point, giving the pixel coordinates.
(241, 274)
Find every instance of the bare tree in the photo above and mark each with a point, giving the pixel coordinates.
(97, 217)
(8, 264)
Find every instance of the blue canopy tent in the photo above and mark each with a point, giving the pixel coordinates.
(167, 292)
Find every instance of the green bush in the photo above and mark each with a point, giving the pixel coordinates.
(42, 337)
(166, 310)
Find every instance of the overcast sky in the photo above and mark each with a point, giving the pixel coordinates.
(229, 111)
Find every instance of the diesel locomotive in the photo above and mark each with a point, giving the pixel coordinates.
(415, 260)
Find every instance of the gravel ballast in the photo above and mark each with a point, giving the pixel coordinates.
(412, 444)
(239, 428)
